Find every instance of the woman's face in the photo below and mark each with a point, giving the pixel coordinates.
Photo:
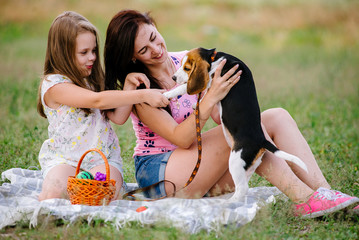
(85, 52)
(150, 47)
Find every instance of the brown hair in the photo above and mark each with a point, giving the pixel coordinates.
(119, 48)
(60, 54)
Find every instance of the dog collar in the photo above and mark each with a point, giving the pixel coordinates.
(213, 56)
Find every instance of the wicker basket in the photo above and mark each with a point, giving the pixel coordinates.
(91, 192)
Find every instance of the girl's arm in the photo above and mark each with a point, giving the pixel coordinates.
(72, 95)
(133, 80)
(184, 134)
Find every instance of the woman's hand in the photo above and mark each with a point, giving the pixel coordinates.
(134, 80)
(222, 84)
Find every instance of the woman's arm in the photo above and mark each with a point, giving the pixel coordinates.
(161, 122)
(184, 134)
(215, 115)
(215, 112)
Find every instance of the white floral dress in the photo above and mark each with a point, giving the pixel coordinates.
(72, 132)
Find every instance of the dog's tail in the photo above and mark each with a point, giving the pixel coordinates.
(289, 157)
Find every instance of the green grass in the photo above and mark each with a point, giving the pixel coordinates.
(304, 57)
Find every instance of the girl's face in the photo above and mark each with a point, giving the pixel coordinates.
(150, 47)
(85, 52)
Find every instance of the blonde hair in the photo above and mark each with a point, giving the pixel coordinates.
(60, 54)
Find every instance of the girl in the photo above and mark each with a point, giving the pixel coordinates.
(166, 140)
(70, 96)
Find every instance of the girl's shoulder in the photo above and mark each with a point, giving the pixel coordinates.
(57, 78)
(51, 80)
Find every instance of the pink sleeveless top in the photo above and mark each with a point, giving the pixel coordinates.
(148, 142)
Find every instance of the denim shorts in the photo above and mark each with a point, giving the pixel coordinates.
(150, 169)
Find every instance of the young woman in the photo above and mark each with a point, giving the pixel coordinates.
(70, 96)
(166, 146)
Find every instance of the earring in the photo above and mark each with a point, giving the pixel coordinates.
(134, 60)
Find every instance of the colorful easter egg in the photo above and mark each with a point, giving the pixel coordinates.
(99, 176)
(85, 175)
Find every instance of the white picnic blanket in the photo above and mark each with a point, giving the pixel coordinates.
(18, 202)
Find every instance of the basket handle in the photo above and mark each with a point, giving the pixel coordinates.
(103, 157)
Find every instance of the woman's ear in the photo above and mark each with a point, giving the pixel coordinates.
(198, 78)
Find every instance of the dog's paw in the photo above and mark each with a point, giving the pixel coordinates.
(179, 90)
(168, 95)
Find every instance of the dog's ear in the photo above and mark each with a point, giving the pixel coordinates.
(207, 54)
(199, 77)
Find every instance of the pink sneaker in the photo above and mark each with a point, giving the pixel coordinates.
(324, 201)
(339, 193)
(356, 209)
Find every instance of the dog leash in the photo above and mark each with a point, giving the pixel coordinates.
(199, 144)
(131, 195)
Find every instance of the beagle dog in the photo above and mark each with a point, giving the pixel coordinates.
(239, 113)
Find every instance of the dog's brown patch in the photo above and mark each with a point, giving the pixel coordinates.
(197, 69)
(259, 154)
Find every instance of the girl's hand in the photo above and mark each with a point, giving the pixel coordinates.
(155, 98)
(222, 84)
(134, 80)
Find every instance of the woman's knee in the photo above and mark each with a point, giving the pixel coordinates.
(276, 115)
(275, 118)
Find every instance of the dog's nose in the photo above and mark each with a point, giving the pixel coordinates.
(174, 77)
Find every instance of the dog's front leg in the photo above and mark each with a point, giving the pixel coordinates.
(236, 169)
(180, 90)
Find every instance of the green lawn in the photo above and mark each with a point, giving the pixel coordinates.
(304, 57)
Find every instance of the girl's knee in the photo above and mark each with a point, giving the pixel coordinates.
(117, 176)
(55, 182)
(53, 193)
